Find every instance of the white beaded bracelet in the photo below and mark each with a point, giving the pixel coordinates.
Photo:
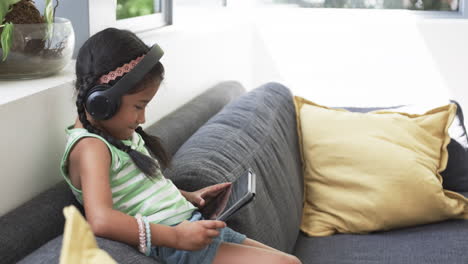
(148, 236)
(141, 234)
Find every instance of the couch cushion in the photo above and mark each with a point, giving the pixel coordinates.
(455, 176)
(49, 253)
(256, 131)
(444, 242)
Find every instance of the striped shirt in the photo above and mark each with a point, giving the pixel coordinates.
(132, 192)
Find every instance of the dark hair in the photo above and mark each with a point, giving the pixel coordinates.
(100, 54)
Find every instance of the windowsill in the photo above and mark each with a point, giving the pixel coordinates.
(12, 90)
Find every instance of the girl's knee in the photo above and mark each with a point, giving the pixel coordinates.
(296, 260)
(291, 259)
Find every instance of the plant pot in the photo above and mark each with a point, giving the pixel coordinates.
(33, 54)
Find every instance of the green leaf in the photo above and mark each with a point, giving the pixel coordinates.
(6, 39)
(49, 18)
(5, 8)
(49, 12)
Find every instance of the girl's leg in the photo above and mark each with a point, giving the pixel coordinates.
(230, 253)
(254, 243)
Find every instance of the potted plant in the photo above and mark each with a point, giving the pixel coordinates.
(33, 45)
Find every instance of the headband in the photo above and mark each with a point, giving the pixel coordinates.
(120, 71)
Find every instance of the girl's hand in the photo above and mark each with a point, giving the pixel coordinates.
(203, 196)
(196, 235)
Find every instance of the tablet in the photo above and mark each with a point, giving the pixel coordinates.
(233, 198)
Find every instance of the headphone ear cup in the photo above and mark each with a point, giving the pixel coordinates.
(99, 104)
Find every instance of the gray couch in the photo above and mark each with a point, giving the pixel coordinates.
(214, 138)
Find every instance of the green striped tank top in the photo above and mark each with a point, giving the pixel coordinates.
(132, 192)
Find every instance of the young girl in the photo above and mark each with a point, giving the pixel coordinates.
(125, 196)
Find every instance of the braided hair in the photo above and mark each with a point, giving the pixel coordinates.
(100, 54)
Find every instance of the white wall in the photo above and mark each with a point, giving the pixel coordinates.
(198, 54)
(201, 50)
(31, 138)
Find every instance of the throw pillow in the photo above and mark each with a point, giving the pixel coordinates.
(79, 244)
(455, 175)
(374, 171)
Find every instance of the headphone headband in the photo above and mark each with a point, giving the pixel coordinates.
(129, 80)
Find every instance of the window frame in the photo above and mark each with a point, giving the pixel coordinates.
(462, 11)
(99, 20)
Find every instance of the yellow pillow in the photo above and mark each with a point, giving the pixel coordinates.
(366, 172)
(79, 245)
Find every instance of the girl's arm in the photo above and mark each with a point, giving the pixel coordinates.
(185, 194)
(93, 159)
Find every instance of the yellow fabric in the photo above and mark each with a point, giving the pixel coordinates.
(79, 245)
(367, 172)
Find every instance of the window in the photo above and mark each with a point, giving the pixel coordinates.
(200, 3)
(433, 5)
(427, 8)
(134, 15)
(136, 8)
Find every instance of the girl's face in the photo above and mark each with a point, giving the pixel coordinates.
(131, 113)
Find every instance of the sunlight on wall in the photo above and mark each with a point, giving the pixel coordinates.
(352, 57)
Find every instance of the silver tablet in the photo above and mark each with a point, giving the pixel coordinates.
(237, 195)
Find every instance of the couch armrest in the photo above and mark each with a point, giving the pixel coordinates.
(31, 225)
(175, 128)
(258, 131)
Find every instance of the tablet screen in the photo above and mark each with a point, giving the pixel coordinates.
(233, 196)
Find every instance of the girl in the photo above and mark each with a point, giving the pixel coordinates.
(109, 169)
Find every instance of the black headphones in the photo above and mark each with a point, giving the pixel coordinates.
(103, 100)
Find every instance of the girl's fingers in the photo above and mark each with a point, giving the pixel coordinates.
(213, 193)
(216, 189)
(212, 233)
(201, 202)
(213, 224)
(223, 185)
(218, 186)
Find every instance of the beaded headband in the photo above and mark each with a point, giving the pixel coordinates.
(120, 71)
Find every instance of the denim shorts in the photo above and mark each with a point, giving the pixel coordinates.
(206, 255)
